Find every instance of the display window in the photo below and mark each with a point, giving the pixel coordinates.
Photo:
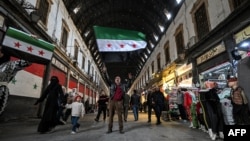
(218, 74)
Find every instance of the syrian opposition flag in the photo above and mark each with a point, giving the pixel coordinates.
(26, 43)
(115, 40)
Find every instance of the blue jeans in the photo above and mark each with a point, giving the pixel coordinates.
(74, 121)
(135, 111)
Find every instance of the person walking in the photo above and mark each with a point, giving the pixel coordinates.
(102, 106)
(126, 106)
(158, 102)
(54, 94)
(149, 103)
(77, 111)
(135, 103)
(117, 93)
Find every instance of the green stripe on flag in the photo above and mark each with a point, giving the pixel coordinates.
(118, 34)
(20, 35)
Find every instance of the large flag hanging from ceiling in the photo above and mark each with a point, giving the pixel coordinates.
(118, 40)
(26, 46)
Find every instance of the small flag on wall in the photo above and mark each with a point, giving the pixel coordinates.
(118, 40)
(26, 43)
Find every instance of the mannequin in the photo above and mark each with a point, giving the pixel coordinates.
(240, 103)
(213, 113)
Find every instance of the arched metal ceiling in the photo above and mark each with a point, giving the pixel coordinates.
(145, 16)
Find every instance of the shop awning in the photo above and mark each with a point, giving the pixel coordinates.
(26, 46)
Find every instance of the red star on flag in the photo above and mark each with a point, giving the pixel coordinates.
(17, 44)
(41, 52)
(30, 49)
(122, 46)
(134, 45)
(109, 45)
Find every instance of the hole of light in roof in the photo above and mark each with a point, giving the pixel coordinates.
(148, 51)
(76, 9)
(143, 58)
(156, 37)
(151, 44)
(167, 14)
(161, 27)
(86, 33)
(178, 1)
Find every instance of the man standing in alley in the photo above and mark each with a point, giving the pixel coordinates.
(117, 93)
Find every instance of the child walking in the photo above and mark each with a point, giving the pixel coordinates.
(77, 110)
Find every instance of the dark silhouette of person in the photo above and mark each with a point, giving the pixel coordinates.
(53, 95)
(102, 106)
(158, 102)
(126, 106)
(149, 103)
(135, 103)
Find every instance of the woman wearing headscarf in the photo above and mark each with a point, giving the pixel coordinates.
(53, 95)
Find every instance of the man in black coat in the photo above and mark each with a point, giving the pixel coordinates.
(158, 103)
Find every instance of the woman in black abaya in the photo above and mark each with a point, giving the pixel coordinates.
(54, 94)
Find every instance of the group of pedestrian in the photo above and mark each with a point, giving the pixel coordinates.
(56, 101)
(118, 102)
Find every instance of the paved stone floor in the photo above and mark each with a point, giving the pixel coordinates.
(25, 130)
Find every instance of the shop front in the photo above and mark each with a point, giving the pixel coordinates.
(184, 76)
(169, 78)
(213, 66)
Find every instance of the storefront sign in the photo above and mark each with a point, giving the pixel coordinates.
(169, 77)
(211, 53)
(184, 68)
(242, 35)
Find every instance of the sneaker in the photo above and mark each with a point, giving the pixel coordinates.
(121, 132)
(73, 132)
(96, 120)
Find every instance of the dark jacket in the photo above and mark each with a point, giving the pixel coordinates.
(158, 98)
(135, 99)
(124, 87)
(149, 98)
